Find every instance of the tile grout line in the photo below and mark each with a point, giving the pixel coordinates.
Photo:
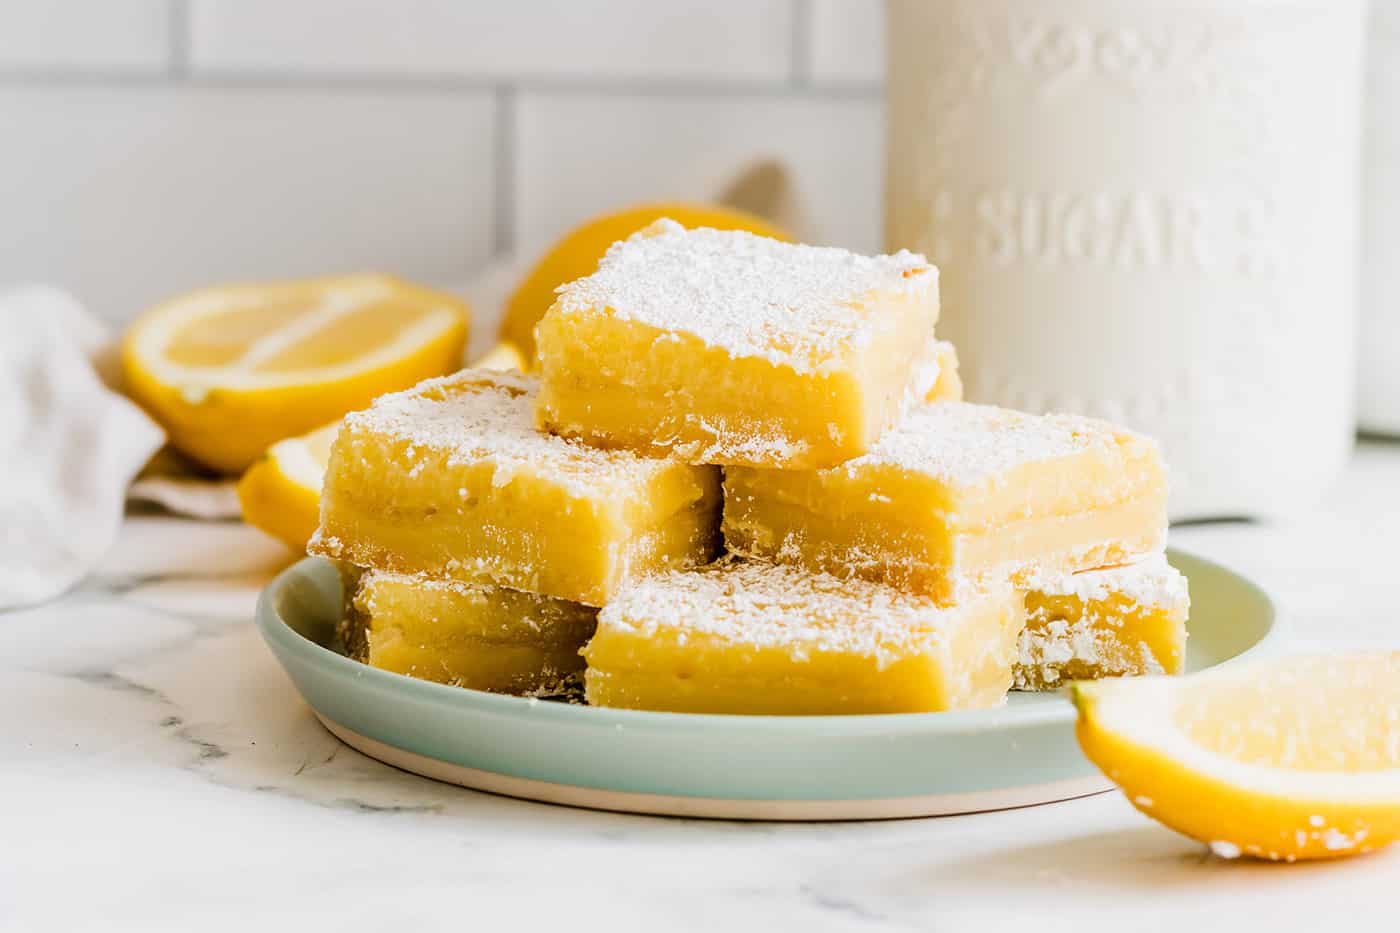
(179, 25)
(435, 83)
(800, 39)
(503, 156)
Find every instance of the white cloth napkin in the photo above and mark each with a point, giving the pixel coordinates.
(174, 484)
(69, 446)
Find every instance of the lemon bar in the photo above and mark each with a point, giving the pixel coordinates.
(748, 637)
(1113, 622)
(482, 637)
(724, 347)
(450, 480)
(956, 494)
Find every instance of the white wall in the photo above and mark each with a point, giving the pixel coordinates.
(148, 146)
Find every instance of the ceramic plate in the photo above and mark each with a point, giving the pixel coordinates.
(737, 767)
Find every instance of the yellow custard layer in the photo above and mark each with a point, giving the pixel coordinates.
(450, 480)
(481, 637)
(1114, 622)
(753, 638)
(958, 494)
(724, 347)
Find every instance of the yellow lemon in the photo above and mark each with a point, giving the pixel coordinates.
(1297, 758)
(503, 355)
(281, 492)
(578, 252)
(229, 371)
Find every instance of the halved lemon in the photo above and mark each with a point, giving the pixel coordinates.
(577, 253)
(503, 355)
(281, 492)
(1296, 758)
(229, 371)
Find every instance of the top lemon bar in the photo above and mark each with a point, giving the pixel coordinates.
(450, 479)
(727, 348)
(958, 494)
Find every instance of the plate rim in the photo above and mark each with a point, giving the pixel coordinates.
(692, 806)
(282, 637)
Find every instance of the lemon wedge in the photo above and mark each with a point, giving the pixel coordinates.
(577, 253)
(281, 492)
(229, 371)
(1297, 758)
(503, 355)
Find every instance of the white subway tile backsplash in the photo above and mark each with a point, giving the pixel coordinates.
(157, 145)
(54, 35)
(579, 153)
(127, 195)
(847, 43)
(712, 40)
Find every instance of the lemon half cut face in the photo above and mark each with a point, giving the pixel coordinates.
(229, 371)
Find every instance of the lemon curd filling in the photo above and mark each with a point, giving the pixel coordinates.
(957, 494)
(481, 637)
(728, 348)
(747, 637)
(450, 480)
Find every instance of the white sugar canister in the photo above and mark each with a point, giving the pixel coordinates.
(1144, 211)
(1379, 402)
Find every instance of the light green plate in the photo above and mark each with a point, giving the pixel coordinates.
(737, 767)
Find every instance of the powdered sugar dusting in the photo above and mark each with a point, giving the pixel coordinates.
(964, 443)
(1223, 849)
(791, 304)
(773, 606)
(723, 444)
(477, 415)
(1150, 583)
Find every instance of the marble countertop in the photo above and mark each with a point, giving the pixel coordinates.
(158, 772)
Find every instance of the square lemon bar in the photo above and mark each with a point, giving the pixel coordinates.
(482, 637)
(450, 480)
(748, 637)
(956, 494)
(1113, 622)
(724, 347)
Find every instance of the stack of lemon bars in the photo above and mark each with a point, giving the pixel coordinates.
(743, 480)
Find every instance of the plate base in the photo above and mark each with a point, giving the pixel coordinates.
(718, 808)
